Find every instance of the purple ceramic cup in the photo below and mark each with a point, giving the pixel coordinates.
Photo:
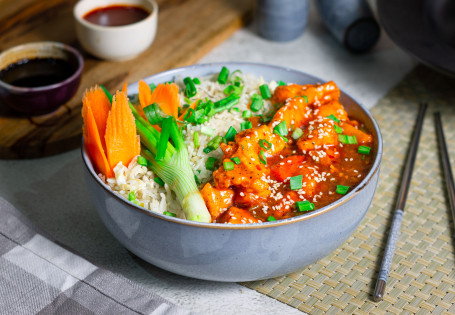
(44, 99)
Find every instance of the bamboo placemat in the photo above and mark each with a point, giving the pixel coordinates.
(422, 275)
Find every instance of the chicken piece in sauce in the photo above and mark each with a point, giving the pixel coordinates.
(258, 188)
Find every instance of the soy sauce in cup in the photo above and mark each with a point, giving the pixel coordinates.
(116, 15)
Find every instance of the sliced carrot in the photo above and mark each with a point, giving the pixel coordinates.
(167, 96)
(192, 106)
(93, 143)
(145, 94)
(122, 142)
(96, 99)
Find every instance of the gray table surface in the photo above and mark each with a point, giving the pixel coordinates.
(51, 191)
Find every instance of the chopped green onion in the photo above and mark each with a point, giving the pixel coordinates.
(342, 190)
(338, 129)
(228, 166)
(304, 205)
(362, 150)
(265, 144)
(164, 138)
(196, 179)
(159, 181)
(306, 98)
(347, 139)
(210, 163)
(152, 87)
(246, 125)
(297, 133)
(230, 134)
(215, 142)
(223, 76)
(265, 91)
(207, 150)
(207, 131)
(190, 89)
(262, 157)
(196, 81)
(281, 129)
(196, 139)
(246, 114)
(233, 89)
(296, 182)
(271, 218)
(333, 117)
(141, 160)
(256, 103)
(280, 83)
(236, 160)
(235, 79)
(171, 214)
(226, 103)
(236, 109)
(131, 196)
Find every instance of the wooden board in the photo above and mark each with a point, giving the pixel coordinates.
(187, 29)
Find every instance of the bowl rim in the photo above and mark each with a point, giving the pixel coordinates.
(374, 169)
(79, 18)
(77, 73)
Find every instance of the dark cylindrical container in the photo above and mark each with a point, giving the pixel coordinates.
(351, 22)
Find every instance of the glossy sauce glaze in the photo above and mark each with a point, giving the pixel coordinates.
(282, 174)
(116, 15)
(36, 72)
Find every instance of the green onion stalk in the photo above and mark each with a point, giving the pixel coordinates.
(168, 161)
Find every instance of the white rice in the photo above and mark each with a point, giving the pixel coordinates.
(139, 179)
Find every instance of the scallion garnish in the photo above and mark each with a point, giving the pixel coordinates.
(271, 218)
(207, 131)
(347, 139)
(207, 150)
(226, 103)
(196, 179)
(190, 89)
(305, 205)
(230, 134)
(338, 129)
(296, 182)
(281, 129)
(297, 133)
(164, 138)
(215, 142)
(246, 114)
(246, 125)
(236, 160)
(265, 91)
(131, 196)
(362, 150)
(196, 139)
(159, 181)
(223, 76)
(281, 83)
(196, 81)
(333, 117)
(265, 144)
(141, 160)
(342, 190)
(228, 166)
(210, 163)
(262, 157)
(171, 214)
(256, 103)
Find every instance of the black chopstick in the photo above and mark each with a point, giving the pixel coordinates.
(399, 208)
(445, 163)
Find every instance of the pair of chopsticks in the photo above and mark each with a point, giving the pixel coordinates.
(404, 187)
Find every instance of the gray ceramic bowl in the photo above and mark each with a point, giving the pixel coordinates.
(225, 252)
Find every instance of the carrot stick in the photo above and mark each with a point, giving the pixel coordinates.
(167, 96)
(93, 143)
(96, 99)
(122, 142)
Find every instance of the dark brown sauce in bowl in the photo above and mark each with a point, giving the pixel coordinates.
(37, 72)
(116, 15)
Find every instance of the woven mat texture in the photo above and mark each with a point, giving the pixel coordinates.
(422, 275)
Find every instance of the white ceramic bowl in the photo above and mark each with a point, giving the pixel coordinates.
(115, 43)
(237, 252)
